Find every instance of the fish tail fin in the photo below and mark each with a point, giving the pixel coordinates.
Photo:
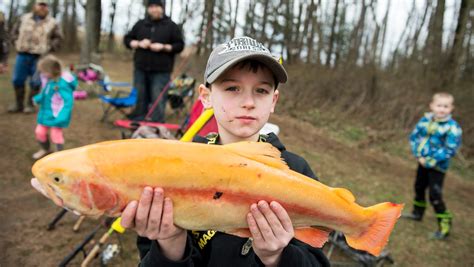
(375, 237)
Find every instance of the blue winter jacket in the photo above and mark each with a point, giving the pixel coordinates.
(56, 101)
(436, 141)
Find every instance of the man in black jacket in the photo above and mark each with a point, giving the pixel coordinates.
(156, 40)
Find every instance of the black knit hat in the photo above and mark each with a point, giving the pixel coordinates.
(155, 2)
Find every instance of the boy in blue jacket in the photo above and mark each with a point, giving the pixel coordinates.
(56, 101)
(434, 141)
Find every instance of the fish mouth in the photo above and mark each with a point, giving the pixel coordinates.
(48, 191)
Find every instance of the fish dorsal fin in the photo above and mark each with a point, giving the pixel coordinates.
(259, 151)
(344, 194)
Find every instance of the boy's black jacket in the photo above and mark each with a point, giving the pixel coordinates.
(163, 31)
(226, 250)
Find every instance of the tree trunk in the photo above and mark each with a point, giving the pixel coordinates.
(263, 33)
(91, 40)
(12, 13)
(340, 40)
(111, 39)
(54, 8)
(457, 47)
(234, 22)
(357, 35)
(210, 30)
(434, 45)
(332, 36)
(414, 50)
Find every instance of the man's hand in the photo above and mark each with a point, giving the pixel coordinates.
(422, 161)
(152, 217)
(134, 44)
(144, 44)
(271, 230)
(157, 47)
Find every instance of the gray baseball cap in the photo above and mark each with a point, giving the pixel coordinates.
(225, 56)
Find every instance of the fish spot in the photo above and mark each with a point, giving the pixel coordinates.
(217, 195)
(259, 175)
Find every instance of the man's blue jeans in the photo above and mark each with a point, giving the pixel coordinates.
(25, 66)
(149, 85)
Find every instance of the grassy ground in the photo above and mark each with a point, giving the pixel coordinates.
(342, 154)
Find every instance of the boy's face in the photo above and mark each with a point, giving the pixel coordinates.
(441, 107)
(242, 100)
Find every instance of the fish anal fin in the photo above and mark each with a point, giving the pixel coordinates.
(312, 236)
(344, 194)
(259, 151)
(376, 235)
(240, 232)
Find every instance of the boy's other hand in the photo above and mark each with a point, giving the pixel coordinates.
(271, 230)
(422, 161)
(152, 217)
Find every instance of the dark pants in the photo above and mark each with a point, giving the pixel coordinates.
(432, 179)
(25, 66)
(149, 85)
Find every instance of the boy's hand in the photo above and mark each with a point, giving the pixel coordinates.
(271, 230)
(422, 161)
(152, 217)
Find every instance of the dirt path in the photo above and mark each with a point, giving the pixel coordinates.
(370, 174)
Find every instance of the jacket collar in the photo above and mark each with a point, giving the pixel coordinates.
(430, 116)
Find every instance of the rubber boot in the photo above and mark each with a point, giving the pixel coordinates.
(30, 108)
(417, 213)
(445, 221)
(19, 98)
(43, 151)
(59, 147)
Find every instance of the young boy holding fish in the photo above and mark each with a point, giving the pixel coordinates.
(241, 81)
(434, 141)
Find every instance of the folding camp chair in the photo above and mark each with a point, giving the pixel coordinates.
(89, 76)
(180, 91)
(357, 257)
(117, 102)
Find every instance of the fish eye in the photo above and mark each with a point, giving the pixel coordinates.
(57, 179)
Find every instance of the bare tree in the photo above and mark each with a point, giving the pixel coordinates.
(434, 44)
(333, 34)
(91, 41)
(54, 8)
(111, 39)
(357, 35)
(457, 47)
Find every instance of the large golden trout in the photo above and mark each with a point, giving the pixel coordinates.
(212, 187)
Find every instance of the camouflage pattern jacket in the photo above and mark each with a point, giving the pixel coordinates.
(436, 141)
(34, 35)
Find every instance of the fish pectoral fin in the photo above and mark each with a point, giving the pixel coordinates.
(312, 236)
(240, 232)
(103, 197)
(344, 194)
(259, 151)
